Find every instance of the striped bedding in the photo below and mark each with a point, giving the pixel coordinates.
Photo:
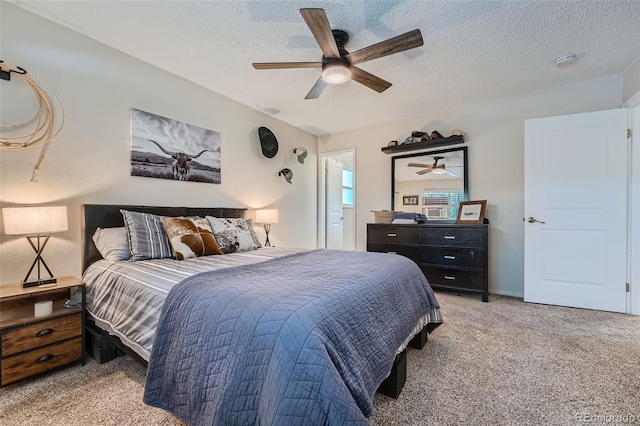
(126, 298)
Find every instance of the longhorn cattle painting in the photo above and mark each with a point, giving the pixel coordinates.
(169, 149)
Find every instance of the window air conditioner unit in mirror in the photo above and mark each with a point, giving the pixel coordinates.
(436, 212)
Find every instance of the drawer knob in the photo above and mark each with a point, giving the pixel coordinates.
(391, 235)
(45, 358)
(448, 277)
(449, 237)
(450, 257)
(44, 332)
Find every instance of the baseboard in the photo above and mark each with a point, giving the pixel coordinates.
(519, 295)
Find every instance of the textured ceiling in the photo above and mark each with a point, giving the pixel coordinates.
(473, 51)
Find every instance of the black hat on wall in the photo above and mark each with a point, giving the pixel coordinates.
(268, 142)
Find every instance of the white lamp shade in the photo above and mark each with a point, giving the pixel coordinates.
(34, 220)
(267, 216)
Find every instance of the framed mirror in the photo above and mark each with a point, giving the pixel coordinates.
(432, 183)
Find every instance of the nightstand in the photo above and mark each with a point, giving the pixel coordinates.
(32, 345)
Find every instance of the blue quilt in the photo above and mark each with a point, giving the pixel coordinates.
(302, 339)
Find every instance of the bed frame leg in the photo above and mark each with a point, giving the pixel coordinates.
(392, 385)
(98, 346)
(420, 339)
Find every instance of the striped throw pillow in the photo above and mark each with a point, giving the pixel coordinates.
(147, 237)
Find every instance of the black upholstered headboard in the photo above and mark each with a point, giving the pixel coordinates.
(109, 216)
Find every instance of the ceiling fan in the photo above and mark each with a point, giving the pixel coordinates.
(436, 168)
(338, 65)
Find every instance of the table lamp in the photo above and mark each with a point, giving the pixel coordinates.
(36, 223)
(267, 217)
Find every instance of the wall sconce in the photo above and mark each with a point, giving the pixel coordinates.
(267, 217)
(36, 222)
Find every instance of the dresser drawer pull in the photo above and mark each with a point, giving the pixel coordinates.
(44, 332)
(447, 277)
(392, 235)
(449, 237)
(45, 358)
(392, 252)
(450, 257)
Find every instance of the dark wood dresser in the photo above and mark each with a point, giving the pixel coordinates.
(452, 257)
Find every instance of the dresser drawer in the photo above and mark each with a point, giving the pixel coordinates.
(453, 256)
(454, 278)
(455, 236)
(393, 234)
(404, 250)
(42, 333)
(29, 363)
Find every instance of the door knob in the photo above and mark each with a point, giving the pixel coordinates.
(534, 220)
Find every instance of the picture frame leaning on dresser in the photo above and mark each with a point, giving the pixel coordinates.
(471, 212)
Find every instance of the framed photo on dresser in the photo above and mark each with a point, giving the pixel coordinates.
(472, 212)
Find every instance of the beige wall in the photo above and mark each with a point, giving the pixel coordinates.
(631, 81)
(495, 140)
(89, 161)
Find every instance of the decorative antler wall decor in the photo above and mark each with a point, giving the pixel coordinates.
(41, 128)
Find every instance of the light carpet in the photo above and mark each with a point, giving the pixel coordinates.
(499, 363)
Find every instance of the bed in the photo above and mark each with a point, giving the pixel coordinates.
(334, 342)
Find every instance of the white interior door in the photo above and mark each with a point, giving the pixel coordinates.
(576, 210)
(334, 205)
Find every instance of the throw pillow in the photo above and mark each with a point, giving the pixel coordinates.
(147, 237)
(190, 237)
(232, 234)
(112, 243)
(253, 233)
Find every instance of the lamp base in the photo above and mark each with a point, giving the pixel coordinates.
(36, 283)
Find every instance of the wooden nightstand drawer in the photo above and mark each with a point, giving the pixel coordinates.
(27, 364)
(40, 334)
(30, 345)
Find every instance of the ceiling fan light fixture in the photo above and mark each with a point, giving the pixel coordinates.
(438, 171)
(336, 73)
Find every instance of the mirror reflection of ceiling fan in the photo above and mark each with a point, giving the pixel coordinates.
(437, 168)
(338, 65)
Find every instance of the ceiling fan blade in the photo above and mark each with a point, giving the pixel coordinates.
(393, 45)
(281, 65)
(424, 172)
(318, 23)
(369, 80)
(450, 173)
(317, 89)
(418, 165)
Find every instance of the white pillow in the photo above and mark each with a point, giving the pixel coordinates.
(112, 243)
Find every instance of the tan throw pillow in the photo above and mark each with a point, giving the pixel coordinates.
(190, 237)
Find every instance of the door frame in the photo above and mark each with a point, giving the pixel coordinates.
(634, 205)
(322, 189)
